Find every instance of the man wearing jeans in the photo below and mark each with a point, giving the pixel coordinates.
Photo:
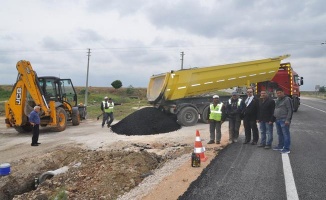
(266, 119)
(283, 114)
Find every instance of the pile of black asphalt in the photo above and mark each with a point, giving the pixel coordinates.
(146, 121)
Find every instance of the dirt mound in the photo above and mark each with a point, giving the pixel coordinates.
(91, 174)
(146, 121)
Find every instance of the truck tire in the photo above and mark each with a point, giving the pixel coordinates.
(61, 119)
(295, 104)
(188, 116)
(203, 116)
(75, 117)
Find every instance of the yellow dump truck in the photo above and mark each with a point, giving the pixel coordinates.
(177, 92)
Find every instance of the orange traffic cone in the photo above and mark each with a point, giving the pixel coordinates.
(199, 149)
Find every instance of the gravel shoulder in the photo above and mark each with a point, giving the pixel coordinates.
(169, 180)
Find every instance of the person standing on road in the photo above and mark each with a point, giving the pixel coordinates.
(283, 114)
(107, 107)
(266, 119)
(250, 118)
(234, 109)
(34, 120)
(216, 116)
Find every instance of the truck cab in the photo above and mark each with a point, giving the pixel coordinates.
(287, 79)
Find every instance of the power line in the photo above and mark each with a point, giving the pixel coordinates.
(169, 47)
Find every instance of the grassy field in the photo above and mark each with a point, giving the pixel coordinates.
(129, 97)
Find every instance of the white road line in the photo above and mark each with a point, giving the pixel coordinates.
(313, 107)
(291, 190)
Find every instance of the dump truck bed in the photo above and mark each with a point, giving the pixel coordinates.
(190, 82)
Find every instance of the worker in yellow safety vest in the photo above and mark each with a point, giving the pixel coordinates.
(107, 107)
(216, 116)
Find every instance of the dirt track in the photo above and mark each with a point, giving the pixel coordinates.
(89, 135)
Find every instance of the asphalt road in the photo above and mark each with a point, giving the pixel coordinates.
(243, 171)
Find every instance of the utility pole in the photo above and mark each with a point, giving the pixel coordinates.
(182, 54)
(86, 90)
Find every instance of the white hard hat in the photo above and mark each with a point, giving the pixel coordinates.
(216, 96)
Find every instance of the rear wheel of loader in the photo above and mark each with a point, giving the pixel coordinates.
(61, 119)
(24, 129)
(188, 116)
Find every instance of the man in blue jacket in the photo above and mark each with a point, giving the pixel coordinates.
(35, 120)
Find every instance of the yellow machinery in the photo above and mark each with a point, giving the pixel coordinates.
(56, 97)
(171, 91)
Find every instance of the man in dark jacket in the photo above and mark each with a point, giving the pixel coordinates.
(234, 108)
(266, 119)
(250, 117)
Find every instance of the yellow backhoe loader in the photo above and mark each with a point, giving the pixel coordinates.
(56, 97)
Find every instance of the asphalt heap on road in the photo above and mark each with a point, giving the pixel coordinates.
(146, 121)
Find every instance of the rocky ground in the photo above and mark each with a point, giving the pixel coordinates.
(101, 164)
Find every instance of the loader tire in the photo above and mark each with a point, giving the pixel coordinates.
(75, 117)
(188, 116)
(24, 129)
(61, 119)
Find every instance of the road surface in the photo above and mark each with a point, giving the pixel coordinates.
(243, 171)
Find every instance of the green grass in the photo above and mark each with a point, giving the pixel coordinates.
(320, 95)
(129, 97)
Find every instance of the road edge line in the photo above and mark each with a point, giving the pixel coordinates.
(291, 190)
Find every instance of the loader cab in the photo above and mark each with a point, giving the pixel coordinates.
(58, 90)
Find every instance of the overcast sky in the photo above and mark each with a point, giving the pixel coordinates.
(132, 40)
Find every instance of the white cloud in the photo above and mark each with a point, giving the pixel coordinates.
(132, 40)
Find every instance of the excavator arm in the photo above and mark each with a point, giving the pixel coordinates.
(17, 107)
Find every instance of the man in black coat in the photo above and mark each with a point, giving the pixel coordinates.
(250, 117)
(234, 108)
(266, 119)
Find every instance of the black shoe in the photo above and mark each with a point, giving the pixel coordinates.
(108, 125)
(210, 142)
(38, 143)
(34, 145)
(253, 143)
(246, 142)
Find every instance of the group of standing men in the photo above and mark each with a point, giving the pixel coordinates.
(252, 110)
